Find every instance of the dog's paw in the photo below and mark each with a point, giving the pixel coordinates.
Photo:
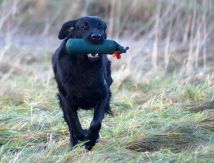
(74, 143)
(83, 135)
(91, 142)
(89, 146)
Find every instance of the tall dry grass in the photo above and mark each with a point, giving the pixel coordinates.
(164, 35)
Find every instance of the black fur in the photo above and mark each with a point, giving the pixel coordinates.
(83, 83)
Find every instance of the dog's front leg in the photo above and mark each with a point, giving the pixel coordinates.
(71, 117)
(95, 126)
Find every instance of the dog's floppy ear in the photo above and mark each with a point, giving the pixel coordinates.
(105, 28)
(64, 31)
(105, 25)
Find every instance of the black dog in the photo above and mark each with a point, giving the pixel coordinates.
(83, 80)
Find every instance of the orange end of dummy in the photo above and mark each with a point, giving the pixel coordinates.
(117, 55)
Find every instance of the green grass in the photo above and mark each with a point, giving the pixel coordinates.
(153, 122)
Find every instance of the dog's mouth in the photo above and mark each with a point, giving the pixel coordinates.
(93, 57)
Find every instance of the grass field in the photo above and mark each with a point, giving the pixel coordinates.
(163, 90)
(166, 119)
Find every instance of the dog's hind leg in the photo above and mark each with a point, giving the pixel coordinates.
(108, 107)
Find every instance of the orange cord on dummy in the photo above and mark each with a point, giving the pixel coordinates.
(117, 55)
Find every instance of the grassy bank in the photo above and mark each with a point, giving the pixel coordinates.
(166, 119)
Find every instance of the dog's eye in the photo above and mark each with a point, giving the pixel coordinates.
(71, 29)
(99, 26)
(85, 26)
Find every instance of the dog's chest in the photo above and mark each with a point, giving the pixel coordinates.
(89, 92)
(86, 83)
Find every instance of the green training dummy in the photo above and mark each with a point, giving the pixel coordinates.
(80, 46)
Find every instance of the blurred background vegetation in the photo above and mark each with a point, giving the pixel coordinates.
(164, 35)
(163, 89)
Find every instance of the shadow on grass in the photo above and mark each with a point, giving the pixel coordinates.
(202, 107)
(176, 139)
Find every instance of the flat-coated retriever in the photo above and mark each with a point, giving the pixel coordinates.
(83, 80)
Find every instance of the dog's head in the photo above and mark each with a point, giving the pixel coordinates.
(91, 28)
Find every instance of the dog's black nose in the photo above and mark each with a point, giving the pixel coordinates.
(95, 37)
